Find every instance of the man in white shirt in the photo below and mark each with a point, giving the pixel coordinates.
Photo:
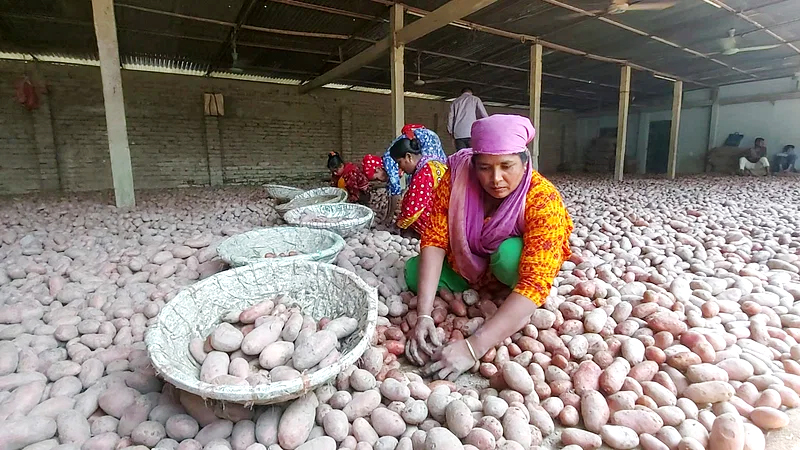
(463, 111)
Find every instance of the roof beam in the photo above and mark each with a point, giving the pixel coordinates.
(527, 38)
(452, 10)
(747, 18)
(241, 18)
(631, 29)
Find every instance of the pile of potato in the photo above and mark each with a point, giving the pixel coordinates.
(268, 342)
(674, 326)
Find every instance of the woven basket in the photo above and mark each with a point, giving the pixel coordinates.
(321, 290)
(282, 193)
(312, 245)
(350, 218)
(314, 197)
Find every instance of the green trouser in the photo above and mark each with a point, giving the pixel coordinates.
(504, 264)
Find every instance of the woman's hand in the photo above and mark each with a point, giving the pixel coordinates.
(450, 362)
(424, 331)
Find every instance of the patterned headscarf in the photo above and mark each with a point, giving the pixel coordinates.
(371, 164)
(472, 240)
(429, 145)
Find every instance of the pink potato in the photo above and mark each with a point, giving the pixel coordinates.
(297, 421)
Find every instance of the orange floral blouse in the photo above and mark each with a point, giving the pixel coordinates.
(545, 239)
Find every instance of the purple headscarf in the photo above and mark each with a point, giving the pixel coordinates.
(471, 240)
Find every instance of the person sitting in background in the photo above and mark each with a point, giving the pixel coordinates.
(426, 171)
(784, 161)
(492, 218)
(429, 146)
(754, 158)
(464, 111)
(349, 177)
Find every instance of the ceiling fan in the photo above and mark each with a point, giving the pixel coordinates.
(617, 7)
(729, 45)
(420, 82)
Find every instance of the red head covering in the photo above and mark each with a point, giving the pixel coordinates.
(371, 164)
(408, 129)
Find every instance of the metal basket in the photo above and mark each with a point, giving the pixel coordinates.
(314, 197)
(321, 290)
(282, 193)
(312, 244)
(350, 218)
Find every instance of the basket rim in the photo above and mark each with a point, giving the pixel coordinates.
(269, 392)
(327, 252)
(344, 227)
(325, 190)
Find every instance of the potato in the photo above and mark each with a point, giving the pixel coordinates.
(614, 375)
(215, 365)
(219, 429)
(148, 434)
(196, 349)
(267, 425)
(243, 435)
(336, 425)
(9, 357)
(459, 418)
(441, 438)
(361, 380)
(769, 418)
(264, 334)
(73, 428)
(727, 433)
(594, 410)
(387, 422)
(709, 392)
(581, 438)
(276, 354)
(362, 404)
(639, 420)
(394, 390)
(515, 426)
(342, 327)
(364, 432)
(226, 338)
(18, 433)
(517, 378)
(309, 352)
(181, 426)
(23, 400)
(252, 313)
(320, 443)
(619, 437)
(137, 413)
(102, 442)
(297, 421)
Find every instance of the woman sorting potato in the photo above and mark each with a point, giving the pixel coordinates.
(426, 172)
(349, 177)
(492, 218)
(428, 143)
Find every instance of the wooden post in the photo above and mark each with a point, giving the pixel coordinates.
(398, 71)
(622, 120)
(536, 99)
(713, 124)
(105, 28)
(677, 100)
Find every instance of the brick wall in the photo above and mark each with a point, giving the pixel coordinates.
(269, 133)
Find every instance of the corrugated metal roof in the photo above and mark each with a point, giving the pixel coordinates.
(295, 40)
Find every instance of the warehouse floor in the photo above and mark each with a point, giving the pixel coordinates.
(80, 253)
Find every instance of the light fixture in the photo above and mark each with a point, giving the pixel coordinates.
(662, 77)
(713, 3)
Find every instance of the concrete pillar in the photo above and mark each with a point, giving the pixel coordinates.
(713, 124)
(46, 152)
(622, 120)
(677, 101)
(644, 139)
(106, 31)
(535, 80)
(214, 148)
(347, 132)
(398, 72)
